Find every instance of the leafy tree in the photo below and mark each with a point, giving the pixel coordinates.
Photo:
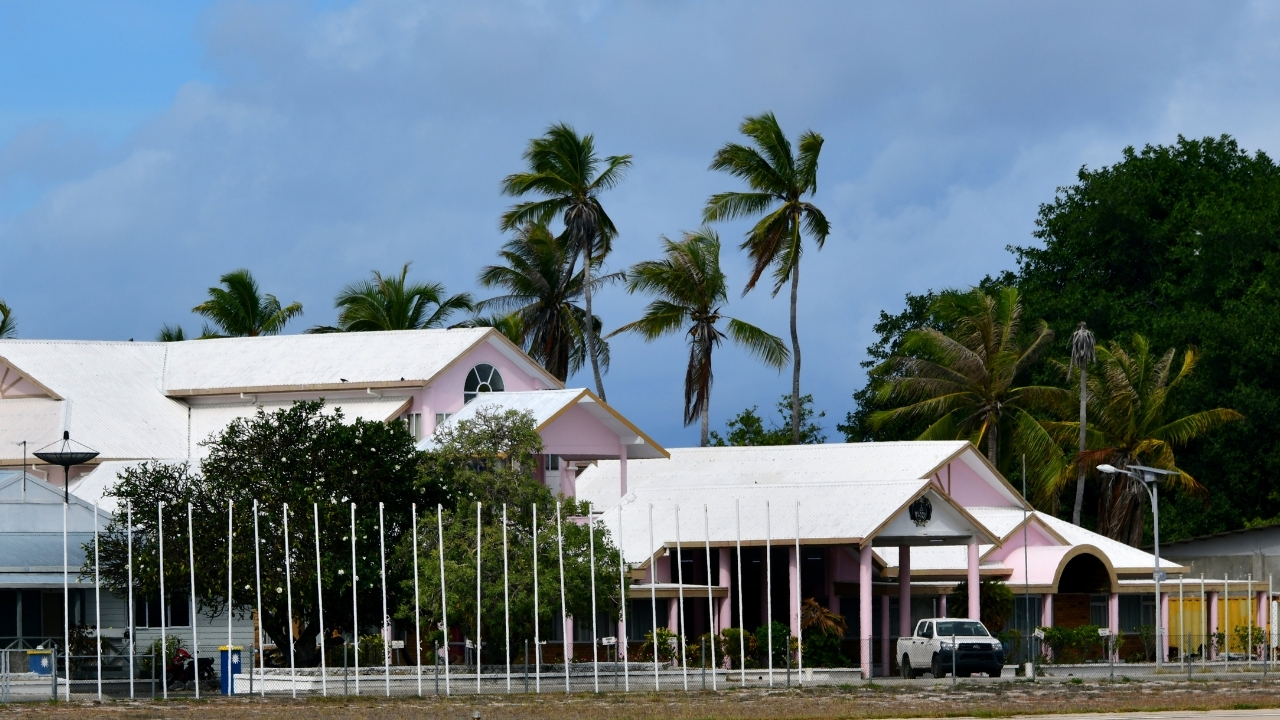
(1180, 243)
(779, 180)
(747, 428)
(995, 603)
(564, 170)
(8, 325)
(490, 459)
(541, 300)
(393, 303)
(171, 333)
(1130, 402)
(690, 290)
(239, 309)
(964, 382)
(305, 457)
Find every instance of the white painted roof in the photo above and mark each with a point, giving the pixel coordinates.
(208, 420)
(1123, 557)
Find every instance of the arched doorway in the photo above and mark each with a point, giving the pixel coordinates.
(1083, 587)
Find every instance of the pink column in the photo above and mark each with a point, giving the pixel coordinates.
(568, 479)
(975, 609)
(726, 604)
(622, 470)
(1164, 626)
(942, 606)
(673, 615)
(864, 611)
(833, 553)
(1113, 622)
(886, 657)
(904, 590)
(793, 589)
(1260, 619)
(1211, 644)
(1046, 610)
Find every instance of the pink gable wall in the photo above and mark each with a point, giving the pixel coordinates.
(969, 488)
(1036, 537)
(444, 395)
(577, 433)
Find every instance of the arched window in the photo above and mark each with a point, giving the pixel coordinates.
(483, 378)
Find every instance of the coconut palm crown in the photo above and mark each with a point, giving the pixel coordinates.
(393, 303)
(8, 325)
(239, 309)
(690, 289)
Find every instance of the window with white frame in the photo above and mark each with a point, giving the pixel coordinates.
(483, 378)
(413, 423)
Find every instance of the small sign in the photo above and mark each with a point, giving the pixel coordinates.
(397, 644)
(1160, 576)
(1104, 632)
(1039, 633)
(609, 641)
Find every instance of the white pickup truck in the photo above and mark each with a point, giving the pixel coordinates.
(940, 644)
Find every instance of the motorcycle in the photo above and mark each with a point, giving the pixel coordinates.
(182, 672)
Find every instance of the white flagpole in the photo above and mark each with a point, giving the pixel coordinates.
(567, 633)
(97, 599)
(164, 640)
(591, 551)
(444, 602)
(195, 635)
(799, 609)
(653, 596)
(768, 584)
(66, 603)
(537, 637)
(684, 663)
(478, 548)
(288, 593)
(742, 632)
(711, 604)
(231, 681)
(417, 617)
(506, 600)
(355, 607)
(622, 593)
(133, 649)
(386, 619)
(324, 670)
(257, 575)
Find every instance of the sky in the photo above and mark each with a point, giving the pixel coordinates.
(148, 147)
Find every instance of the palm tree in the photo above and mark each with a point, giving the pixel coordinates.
(690, 288)
(1083, 352)
(1128, 406)
(8, 325)
(963, 382)
(779, 180)
(239, 309)
(394, 304)
(511, 326)
(171, 333)
(542, 290)
(564, 170)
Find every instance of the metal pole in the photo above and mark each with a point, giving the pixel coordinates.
(624, 656)
(386, 619)
(164, 641)
(506, 601)
(324, 670)
(742, 632)
(1204, 625)
(288, 593)
(1248, 648)
(653, 596)
(1160, 618)
(684, 661)
(537, 645)
(355, 610)
(444, 602)
(257, 574)
(195, 637)
(417, 618)
(564, 615)
(799, 610)
(1182, 628)
(478, 548)
(66, 594)
(133, 650)
(591, 553)
(97, 600)
(526, 666)
(768, 584)
(711, 609)
(1226, 622)
(231, 680)
(435, 664)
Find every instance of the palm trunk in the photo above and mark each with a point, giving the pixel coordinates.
(706, 419)
(993, 446)
(795, 349)
(591, 330)
(1075, 513)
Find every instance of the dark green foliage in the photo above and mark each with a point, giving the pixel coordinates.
(995, 601)
(747, 428)
(1074, 645)
(823, 650)
(781, 642)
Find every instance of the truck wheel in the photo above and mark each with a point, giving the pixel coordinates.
(905, 667)
(936, 667)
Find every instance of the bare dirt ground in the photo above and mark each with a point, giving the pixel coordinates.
(989, 700)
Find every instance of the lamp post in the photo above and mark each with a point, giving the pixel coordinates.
(1149, 476)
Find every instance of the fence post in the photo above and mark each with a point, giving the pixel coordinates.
(526, 666)
(53, 675)
(702, 660)
(955, 650)
(435, 664)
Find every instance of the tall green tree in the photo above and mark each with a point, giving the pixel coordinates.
(8, 324)
(965, 382)
(747, 427)
(393, 303)
(1131, 422)
(240, 309)
(542, 291)
(690, 290)
(779, 180)
(564, 170)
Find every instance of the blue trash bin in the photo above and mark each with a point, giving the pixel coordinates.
(40, 662)
(230, 667)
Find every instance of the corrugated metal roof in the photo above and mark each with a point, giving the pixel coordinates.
(208, 420)
(1122, 557)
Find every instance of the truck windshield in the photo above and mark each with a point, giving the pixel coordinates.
(962, 628)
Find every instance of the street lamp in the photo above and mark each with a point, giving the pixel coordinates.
(1149, 476)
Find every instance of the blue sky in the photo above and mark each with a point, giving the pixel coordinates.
(146, 148)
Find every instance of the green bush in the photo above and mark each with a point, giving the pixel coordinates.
(668, 650)
(161, 654)
(823, 650)
(782, 641)
(1074, 645)
(732, 640)
(995, 601)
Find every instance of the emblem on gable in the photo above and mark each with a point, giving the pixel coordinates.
(921, 511)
